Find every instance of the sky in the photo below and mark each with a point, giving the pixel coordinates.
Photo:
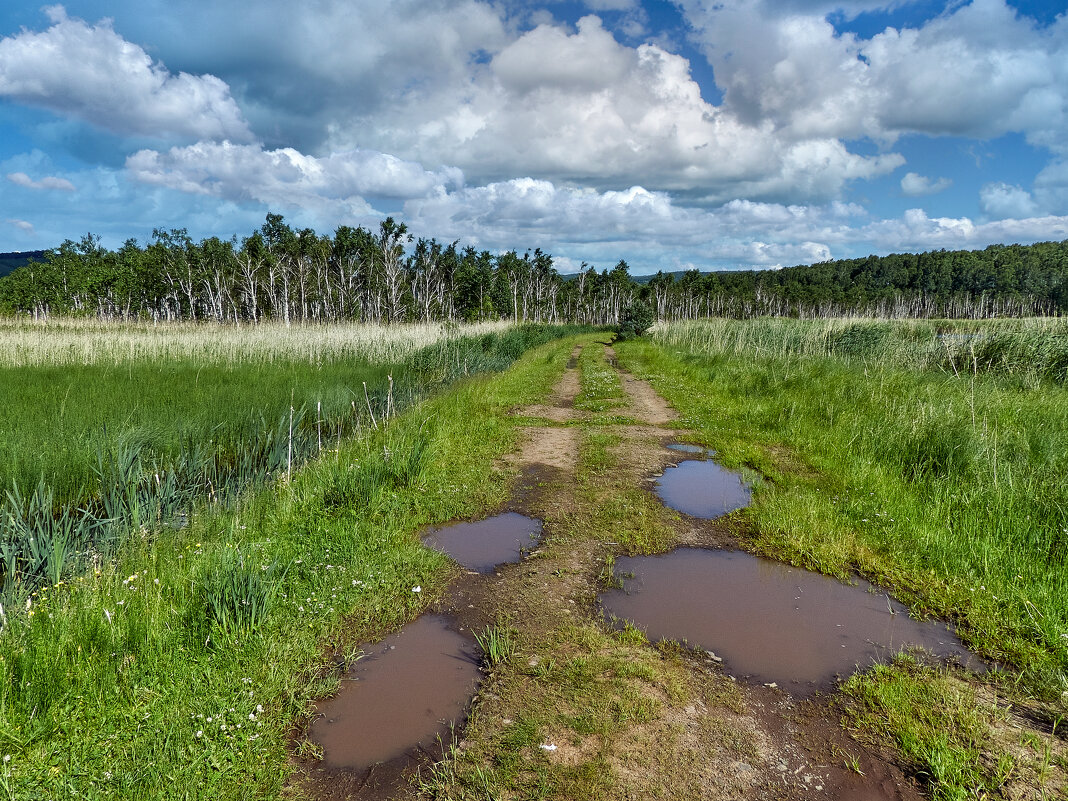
(708, 134)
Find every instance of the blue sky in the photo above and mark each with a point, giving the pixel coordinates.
(727, 134)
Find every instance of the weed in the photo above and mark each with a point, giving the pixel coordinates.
(498, 644)
(239, 594)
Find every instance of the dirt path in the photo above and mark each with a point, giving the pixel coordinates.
(584, 711)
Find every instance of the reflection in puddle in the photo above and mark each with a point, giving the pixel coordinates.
(769, 621)
(686, 447)
(483, 545)
(702, 489)
(402, 697)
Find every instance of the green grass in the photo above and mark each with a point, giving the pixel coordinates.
(136, 444)
(150, 677)
(1033, 350)
(948, 487)
(601, 387)
(935, 722)
(953, 492)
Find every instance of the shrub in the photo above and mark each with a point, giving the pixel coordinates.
(636, 320)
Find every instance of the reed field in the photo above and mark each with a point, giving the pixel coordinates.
(65, 341)
(1032, 349)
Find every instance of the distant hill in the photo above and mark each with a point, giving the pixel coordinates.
(12, 261)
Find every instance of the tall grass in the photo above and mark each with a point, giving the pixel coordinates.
(1032, 349)
(181, 668)
(952, 487)
(71, 341)
(112, 448)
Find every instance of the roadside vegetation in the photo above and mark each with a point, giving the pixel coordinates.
(178, 660)
(930, 458)
(122, 428)
(179, 657)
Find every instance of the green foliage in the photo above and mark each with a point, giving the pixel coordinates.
(180, 667)
(935, 722)
(636, 319)
(107, 462)
(498, 643)
(951, 489)
(238, 593)
(1034, 349)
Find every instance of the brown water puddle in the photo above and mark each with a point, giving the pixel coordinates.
(768, 621)
(483, 545)
(702, 488)
(401, 698)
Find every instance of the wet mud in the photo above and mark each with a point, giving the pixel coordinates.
(403, 697)
(702, 488)
(770, 622)
(484, 545)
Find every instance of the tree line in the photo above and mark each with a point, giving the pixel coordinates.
(298, 276)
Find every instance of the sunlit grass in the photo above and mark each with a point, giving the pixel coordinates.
(182, 667)
(953, 491)
(73, 341)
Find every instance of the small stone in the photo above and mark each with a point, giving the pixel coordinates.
(506, 721)
(713, 657)
(533, 661)
(772, 685)
(691, 710)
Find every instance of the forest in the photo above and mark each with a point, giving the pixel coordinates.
(298, 276)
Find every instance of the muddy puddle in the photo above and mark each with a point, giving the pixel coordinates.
(701, 488)
(771, 622)
(399, 699)
(483, 545)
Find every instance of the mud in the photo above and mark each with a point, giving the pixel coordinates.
(702, 489)
(770, 622)
(484, 545)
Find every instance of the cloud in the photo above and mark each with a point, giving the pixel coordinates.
(22, 225)
(286, 177)
(89, 72)
(577, 106)
(651, 231)
(1051, 187)
(1000, 200)
(978, 70)
(916, 185)
(647, 228)
(915, 232)
(48, 182)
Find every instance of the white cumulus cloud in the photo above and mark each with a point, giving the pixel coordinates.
(977, 70)
(48, 182)
(578, 106)
(285, 176)
(89, 72)
(1001, 200)
(916, 185)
